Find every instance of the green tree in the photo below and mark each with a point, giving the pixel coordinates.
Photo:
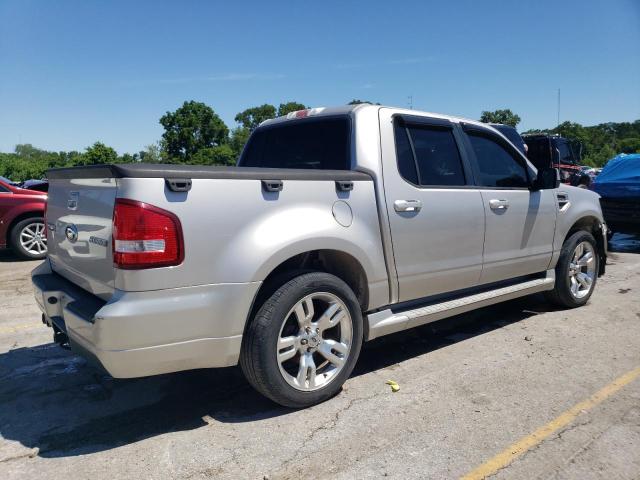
(252, 117)
(151, 154)
(98, 154)
(600, 157)
(505, 116)
(289, 107)
(218, 155)
(239, 138)
(630, 145)
(128, 158)
(190, 128)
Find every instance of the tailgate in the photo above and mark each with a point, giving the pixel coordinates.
(79, 222)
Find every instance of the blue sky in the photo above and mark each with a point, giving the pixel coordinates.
(74, 72)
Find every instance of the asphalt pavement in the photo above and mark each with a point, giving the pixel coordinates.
(518, 390)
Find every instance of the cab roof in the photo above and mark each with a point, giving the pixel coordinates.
(352, 109)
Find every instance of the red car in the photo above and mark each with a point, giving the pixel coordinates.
(22, 226)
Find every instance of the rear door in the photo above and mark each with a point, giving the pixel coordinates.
(520, 224)
(435, 214)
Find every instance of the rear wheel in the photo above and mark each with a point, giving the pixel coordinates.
(28, 238)
(304, 341)
(576, 271)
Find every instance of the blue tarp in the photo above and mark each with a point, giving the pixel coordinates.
(620, 178)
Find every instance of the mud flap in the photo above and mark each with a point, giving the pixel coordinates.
(601, 240)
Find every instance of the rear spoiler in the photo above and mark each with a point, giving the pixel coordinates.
(170, 171)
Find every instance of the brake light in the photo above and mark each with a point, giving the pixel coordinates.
(145, 236)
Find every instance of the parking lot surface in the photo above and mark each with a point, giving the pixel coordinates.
(518, 390)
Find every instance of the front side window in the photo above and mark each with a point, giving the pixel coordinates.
(3, 189)
(319, 144)
(497, 166)
(428, 155)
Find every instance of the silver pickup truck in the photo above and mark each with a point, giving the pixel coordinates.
(338, 225)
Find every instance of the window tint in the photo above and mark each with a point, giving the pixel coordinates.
(406, 162)
(565, 152)
(3, 189)
(436, 162)
(496, 165)
(314, 144)
(512, 135)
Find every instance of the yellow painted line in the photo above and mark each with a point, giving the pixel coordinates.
(508, 455)
(17, 328)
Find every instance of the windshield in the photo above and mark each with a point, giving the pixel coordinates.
(567, 151)
(7, 181)
(318, 143)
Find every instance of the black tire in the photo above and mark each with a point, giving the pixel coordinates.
(258, 358)
(15, 234)
(561, 294)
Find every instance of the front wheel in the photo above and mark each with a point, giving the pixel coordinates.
(29, 239)
(304, 341)
(576, 271)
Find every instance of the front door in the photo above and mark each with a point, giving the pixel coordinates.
(520, 224)
(435, 214)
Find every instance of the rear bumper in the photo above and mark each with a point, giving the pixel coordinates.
(137, 334)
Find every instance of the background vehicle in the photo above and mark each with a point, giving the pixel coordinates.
(619, 188)
(22, 221)
(37, 185)
(6, 181)
(546, 151)
(512, 135)
(340, 225)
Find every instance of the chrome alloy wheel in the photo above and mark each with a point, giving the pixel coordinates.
(314, 341)
(582, 270)
(33, 238)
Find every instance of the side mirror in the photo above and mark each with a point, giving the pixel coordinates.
(547, 179)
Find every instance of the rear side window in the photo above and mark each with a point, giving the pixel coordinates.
(428, 156)
(404, 154)
(3, 189)
(312, 144)
(497, 166)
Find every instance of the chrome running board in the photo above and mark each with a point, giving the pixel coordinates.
(385, 321)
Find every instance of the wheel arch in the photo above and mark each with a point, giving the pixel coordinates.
(593, 225)
(18, 218)
(335, 262)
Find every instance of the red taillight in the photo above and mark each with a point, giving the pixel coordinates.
(145, 236)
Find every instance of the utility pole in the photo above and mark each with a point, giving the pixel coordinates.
(558, 107)
(410, 98)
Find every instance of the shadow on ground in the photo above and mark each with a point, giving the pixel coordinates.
(52, 400)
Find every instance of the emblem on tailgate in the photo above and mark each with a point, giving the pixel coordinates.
(98, 241)
(72, 202)
(71, 232)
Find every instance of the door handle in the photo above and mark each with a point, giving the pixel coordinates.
(496, 204)
(407, 205)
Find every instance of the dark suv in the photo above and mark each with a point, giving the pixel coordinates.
(554, 151)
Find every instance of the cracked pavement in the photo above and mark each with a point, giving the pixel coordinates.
(469, 387)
